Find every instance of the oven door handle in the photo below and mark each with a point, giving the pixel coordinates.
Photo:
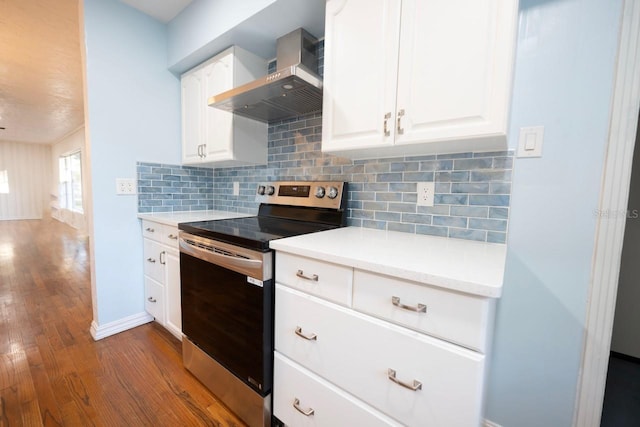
(219, 259)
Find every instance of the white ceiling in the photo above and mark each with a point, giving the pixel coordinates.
(40, 70)
(162, 10)
(41, 97)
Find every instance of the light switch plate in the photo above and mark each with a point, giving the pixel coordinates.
(426, 194)
(530, 141)
(126, 186)
(236, 188)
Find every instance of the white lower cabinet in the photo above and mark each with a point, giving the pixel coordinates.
(365, 359)
(305, 399)
(162, 275)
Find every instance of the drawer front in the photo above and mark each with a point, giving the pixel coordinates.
(331, 406)
(460, 318)
(152, 230)
(170, 236)
(153, 299)
(153, 259)
(357, 352)
(329, 281)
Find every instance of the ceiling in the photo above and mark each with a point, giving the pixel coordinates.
(41, 98)
(40, 70)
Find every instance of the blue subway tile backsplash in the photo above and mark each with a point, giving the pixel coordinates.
(472, 190)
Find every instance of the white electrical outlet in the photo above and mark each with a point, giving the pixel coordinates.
(236, 188)
(426, 192)
(125, 186)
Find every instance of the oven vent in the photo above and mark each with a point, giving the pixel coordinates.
(215, 250)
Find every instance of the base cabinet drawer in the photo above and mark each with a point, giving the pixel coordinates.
(303, 399)
(329, 281)
(416, 379)
(154, 299)
(453, 316)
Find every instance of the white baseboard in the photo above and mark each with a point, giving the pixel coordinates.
(102, 331)
(487, 423)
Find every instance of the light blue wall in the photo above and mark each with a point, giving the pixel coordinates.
(133, 114)
(563, 80)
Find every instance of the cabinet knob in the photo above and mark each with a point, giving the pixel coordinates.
(309, 337)
(400, 129)
(420, 308)
(387, 132)
(307, 412)
(313, 278)
(415, 386)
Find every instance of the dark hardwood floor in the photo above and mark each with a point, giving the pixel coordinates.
(52, 373)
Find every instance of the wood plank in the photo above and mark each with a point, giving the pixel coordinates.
(52, 373)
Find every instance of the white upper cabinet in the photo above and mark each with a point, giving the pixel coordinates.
(417, 76)
(211, 136)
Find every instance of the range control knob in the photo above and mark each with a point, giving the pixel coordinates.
(320, 192)
(261, 190)
(332, 193)
(271, 190)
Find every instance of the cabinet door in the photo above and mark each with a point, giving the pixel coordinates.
(192, 107)
(360, 63)
(172, 286)
(154, 300)
(218, 126)
(153, 266)
(454, 75)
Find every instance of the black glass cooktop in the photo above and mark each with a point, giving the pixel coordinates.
(252, 232)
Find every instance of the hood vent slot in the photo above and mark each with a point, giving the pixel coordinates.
(293, 90)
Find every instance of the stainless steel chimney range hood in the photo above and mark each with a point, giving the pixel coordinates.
(293, 90)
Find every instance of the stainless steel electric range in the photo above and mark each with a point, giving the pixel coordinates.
(227, 289)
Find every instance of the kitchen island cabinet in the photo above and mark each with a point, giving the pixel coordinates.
(162, 263)
(393, 326)
(214, 137)
(417, 77)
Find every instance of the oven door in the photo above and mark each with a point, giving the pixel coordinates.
(227, 306)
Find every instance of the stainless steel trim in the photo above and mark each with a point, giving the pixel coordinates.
(420, 308)
(400, 129)
(307, 412)
(313, 278)
(416, 385)
(244, 261)
(252, 408)
(387, 132)
(310, 337)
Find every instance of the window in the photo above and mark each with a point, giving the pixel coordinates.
(4, 182)
(70, 188)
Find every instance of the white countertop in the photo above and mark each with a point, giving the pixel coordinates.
(463, 265)
(174, 218)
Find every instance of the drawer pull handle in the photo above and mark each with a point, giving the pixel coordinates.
(400, 128)
(310, 337)
(391, 374)
(387, 132)
(296, 404)
(162, 261)
(313, 278)
(152, 299)
(173, 237)
(150, 230)
(420, 308)
(151, 260)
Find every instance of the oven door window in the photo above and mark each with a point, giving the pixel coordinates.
(229, 319)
